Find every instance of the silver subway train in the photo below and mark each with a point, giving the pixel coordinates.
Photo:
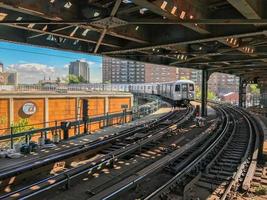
(180, 92)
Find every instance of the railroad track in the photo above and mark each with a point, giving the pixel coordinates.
(76, 150)
(221, 160)
(119, 148)
(222, 175)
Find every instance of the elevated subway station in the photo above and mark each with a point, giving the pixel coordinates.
(193, 34)
(211, 35)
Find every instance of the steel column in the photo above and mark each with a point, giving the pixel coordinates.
(242, 92)
(204, 92)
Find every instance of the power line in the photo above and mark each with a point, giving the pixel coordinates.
(40, 53)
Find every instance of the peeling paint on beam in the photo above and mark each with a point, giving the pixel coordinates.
(248, 8)
(185, 42)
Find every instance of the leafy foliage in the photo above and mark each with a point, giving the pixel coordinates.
(211, 95)
(183, 78)
(72, 79)
(254, 89)
(81, 79)
(197, 92)
(21, 126)
(261, 190)
(3, 120)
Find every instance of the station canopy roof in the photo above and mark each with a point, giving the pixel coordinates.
(218, 35)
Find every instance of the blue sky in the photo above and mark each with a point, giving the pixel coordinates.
(35, 63)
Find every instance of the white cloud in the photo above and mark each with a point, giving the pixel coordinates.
(83, 60)
(33, 72)
(91, 63)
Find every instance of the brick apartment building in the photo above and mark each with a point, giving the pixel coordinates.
(222, 84)
(219, 83)
(124, 71)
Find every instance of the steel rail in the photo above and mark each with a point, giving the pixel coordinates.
(230, 120)
(134, 179)
(66, 176)
(55, 157)
(245, 157)
(253, 164)
(191, 165)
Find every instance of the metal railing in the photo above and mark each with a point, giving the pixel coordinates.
(62, 129)
(61, 88)
(154, 104)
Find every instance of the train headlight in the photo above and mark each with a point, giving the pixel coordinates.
(190, 95)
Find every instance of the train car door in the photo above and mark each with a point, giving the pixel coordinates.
(184, 91)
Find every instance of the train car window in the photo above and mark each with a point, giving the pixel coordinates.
(177, 88)
(184, 87)
(191, 87)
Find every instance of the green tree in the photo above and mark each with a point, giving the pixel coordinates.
(197, 92)
(72, 79)
(254, 89)
(81, 79)
(183, 78)
(211, 95)
(3, 120)
(21, 126)
(58, 80)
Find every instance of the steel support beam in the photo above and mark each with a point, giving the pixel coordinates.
(155, 8)
(113, 13)
(196, 41)
(242, 92)
(226, 60)
(57, 20)
(248, 8)
(56, 30)
(204, 92)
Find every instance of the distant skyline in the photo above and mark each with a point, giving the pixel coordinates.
(34, 63)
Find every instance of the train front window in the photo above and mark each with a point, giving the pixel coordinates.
(177, 88)
(184, 87)
(191, 87)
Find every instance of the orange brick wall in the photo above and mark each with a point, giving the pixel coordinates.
(96, 106)
(62, 109)
(115, 103)
(4, 115)
(37, 118)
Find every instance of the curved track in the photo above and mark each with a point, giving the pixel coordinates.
(218, 171)
(119, 147)
(218, 163)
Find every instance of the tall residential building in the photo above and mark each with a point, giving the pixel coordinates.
(80, 68)
(8, 78)
(125, 71)
(1, 67)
